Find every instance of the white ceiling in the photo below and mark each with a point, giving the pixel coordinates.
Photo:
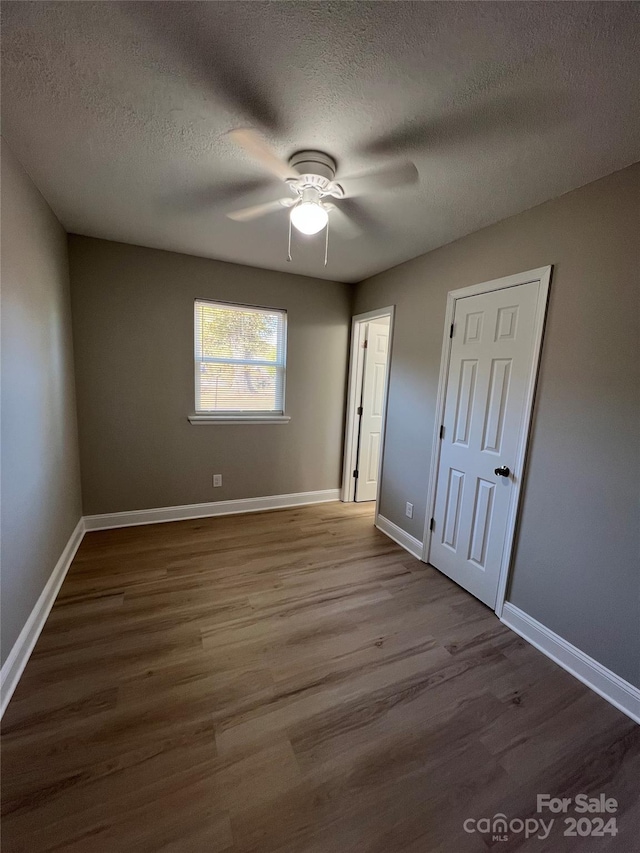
(119, 110)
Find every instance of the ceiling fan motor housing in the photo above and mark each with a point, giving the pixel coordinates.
(314, 164)
(317, 170)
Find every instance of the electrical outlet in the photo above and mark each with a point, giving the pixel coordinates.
(217, 480)
(408, 511)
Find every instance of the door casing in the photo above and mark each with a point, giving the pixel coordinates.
(543, 275)
(354, 390)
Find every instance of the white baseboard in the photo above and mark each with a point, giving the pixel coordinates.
(622, 695)
(206, 510)
(15, 663)
(408, 542)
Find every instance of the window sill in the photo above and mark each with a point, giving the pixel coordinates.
(238, 419)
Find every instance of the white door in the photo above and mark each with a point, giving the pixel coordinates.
(491, 366)
(372, 410)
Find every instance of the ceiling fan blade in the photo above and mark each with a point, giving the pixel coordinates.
(255, 145)
(257, 210)
(387, 178)
(213, 195)
(344, 223)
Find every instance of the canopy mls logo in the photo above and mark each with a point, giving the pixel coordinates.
(499, 827)
(598, 824)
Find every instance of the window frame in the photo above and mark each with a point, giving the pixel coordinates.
(239, 416)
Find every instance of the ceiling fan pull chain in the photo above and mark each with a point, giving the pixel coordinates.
(326, 246)
(289, 244)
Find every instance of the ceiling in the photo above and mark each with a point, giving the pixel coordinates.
(119, 113)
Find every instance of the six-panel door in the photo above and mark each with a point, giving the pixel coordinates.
(373, 399)
(490, 368)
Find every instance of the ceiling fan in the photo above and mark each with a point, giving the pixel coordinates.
(311, 180)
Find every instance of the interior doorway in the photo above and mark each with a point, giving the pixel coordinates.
(369, 365)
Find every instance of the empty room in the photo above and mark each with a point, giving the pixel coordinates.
(320, 417)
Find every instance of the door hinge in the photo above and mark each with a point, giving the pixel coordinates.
(355, 474)
(442, 431)
(365, 344)
(359, 410)
(451, 331)
(432, 524)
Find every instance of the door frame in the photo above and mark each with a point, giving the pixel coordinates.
(354, 392)
(543, 275)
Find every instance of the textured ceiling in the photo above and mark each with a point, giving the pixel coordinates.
(119, 110)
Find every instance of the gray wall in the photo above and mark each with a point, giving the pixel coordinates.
(133, 334)
(576, 560)
(41, 502)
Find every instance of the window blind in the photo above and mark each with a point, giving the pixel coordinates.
(240, 355)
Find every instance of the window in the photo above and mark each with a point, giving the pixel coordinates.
(239, 362)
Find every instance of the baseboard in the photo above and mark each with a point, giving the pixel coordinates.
(622, 695)
(206, 510)
(19, 655)
(408, 542)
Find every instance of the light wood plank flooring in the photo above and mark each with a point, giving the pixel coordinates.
(291, 681)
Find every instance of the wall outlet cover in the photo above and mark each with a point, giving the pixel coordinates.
(217, 480)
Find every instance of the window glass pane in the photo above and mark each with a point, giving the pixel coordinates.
(241, 334)
(238, 387)
(240, 357)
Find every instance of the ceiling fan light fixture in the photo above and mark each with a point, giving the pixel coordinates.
(309, 217)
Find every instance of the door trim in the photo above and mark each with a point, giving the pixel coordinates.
(543, 275)
(353, 395)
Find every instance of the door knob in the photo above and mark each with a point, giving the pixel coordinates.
(502, 472)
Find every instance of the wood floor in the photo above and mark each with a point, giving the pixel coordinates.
(292, 681)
